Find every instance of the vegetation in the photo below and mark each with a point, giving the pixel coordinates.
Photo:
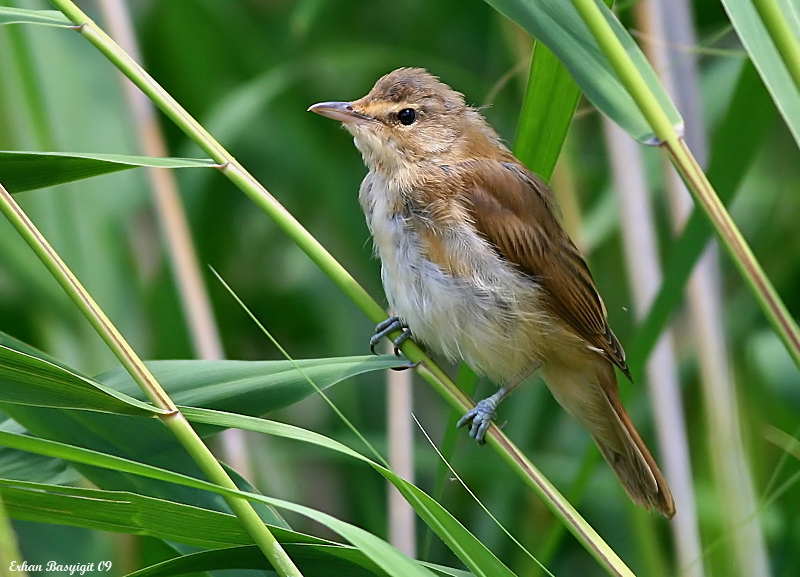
(97, 467)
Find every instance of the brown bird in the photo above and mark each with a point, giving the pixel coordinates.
(476, 264)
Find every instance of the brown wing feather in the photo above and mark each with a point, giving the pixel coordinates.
(515, 211)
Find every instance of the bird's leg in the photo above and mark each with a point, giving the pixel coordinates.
(486, 410)
(384, 328)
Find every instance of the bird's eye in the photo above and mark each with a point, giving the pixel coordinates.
(407, 116)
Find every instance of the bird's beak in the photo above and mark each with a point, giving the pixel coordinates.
(341, 111)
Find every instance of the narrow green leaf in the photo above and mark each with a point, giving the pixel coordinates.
(384, 555)
(447, 571)
(27, 467)
(550, 101)
(9, 550)
(254, 387)
(249, 387)
(7, 340)
(767, 60)
(25, 16)
(29, 380)
(22, 466)
(557, 24)
(21, 171)
(472, 552)
(328, 560)
(132, 513)
(127, 512)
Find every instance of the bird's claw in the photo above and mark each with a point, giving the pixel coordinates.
(388, 326)
(481, 417)
(405, 367)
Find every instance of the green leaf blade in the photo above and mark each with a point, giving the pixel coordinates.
(392, 561)
(464, 544)
(42, 17)
(258, 387)
(128, 512)
(550, 101)
(28, 380)
(22, 171)
(557, 24)
(328, 560)
(249, 387)
(767, 60)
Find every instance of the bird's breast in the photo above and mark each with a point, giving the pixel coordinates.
(457, 295)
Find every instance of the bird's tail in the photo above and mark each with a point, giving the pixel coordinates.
(592, 397)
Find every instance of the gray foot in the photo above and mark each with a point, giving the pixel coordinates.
(480, 417)
(384, 328)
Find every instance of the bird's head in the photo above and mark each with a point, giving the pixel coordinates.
(409, 118)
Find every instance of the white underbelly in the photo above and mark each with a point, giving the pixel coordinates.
(490, 319)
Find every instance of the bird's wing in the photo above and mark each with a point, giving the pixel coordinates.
(514, 210)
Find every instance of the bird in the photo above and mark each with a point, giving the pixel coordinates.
(477, 267)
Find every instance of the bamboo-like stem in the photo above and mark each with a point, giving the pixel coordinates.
(782, 36)
(737, 247)
(639, 242)
(308, 244)
(10, 558)
(695, 179)
(400, 433)
(673, 25)
(169, 413)
(629, 75)
(167, 203)
(736, 494)
(174, 227)
(704, 194)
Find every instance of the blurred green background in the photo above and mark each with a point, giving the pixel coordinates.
(247, 70)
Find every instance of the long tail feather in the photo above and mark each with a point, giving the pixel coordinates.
(593, 398)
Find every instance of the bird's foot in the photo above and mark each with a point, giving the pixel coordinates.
(481, 417)
(384, 328)
(405, 367)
